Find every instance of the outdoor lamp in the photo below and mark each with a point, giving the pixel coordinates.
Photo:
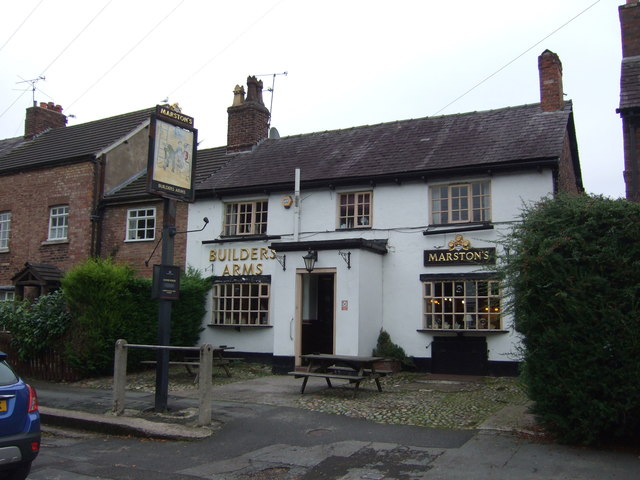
(310, 260)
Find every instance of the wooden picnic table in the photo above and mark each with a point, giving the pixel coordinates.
(351, 368)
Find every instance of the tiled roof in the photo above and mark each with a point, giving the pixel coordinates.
(9, 144)
(630, 83)
(429, 145)
(72, 143)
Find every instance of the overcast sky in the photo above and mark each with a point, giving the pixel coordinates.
(348, 62)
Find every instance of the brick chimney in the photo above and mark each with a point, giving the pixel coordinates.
(42, 118)
(551, 94)
(248, 118)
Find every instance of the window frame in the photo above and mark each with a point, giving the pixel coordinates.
(54, 226)
(241, 304)
(256, 224)
(353, 219)
(145, 218)
(467, 213)
(477, 307)
(5, 230)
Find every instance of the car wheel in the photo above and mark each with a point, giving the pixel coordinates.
(18, 473)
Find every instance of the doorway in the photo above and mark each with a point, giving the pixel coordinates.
(317, 312)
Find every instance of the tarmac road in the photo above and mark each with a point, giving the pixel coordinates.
(259, 435)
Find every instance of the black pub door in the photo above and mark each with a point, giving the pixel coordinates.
(318, 307)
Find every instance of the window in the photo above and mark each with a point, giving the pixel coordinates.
(245, 218)
(355, 210)
(141, 224)
(462, 305)
(241, 304)
(5, 228)
(461, 203)
(58, 222)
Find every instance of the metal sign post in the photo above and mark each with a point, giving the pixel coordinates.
(164, 309)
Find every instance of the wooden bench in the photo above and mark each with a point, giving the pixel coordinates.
(355, 379)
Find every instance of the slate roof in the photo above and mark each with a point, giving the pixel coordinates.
(9, 144)
(404, 149)
(630, 83)
(72, 143)
(42, 273)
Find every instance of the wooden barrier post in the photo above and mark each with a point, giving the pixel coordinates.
(204, 384)
(119, 376)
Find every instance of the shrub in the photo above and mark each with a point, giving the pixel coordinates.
(387, 349)
(574, 277)
(37, 325)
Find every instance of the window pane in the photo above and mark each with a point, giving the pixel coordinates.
(241, 303)
(354, 210)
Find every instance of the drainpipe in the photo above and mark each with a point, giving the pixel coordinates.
(296, 207)
(633, 153)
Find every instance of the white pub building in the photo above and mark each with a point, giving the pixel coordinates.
(316, 242)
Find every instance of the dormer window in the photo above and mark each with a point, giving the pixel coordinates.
(245, 218)
(354, 210)
(461, 203)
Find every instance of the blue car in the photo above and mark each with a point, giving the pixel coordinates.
(19, 424)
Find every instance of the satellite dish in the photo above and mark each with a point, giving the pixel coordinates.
(273, 133)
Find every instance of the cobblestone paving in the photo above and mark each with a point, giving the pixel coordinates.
(407, 398)
(417, 399)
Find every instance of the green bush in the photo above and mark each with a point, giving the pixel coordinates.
(109, 302)
(387, 349)
(35, 326)
(573, 271)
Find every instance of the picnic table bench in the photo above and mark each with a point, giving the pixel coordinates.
(353, 369)
(218, 361)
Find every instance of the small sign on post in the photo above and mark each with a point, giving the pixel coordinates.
(166, 282)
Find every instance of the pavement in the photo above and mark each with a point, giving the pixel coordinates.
(506, 445)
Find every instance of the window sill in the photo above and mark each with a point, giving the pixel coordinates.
(242, 238)
(351, 229)
(474, 332)
(4, 250)
(136, 240)
(55, 242)
(237, 327)
(457, 228)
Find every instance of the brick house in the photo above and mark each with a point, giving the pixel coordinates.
(70, 193)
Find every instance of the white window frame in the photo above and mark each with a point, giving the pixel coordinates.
(139, 228)
(245, 218)
(458, 207)
(355, 210)
(5, 230)
(58, 223)
(462, 304)
(241, 304)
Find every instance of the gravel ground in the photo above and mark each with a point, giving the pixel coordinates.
(407, 398)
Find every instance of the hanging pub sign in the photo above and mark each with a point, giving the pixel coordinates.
(166, 282)
(460, 253)
(172, 154)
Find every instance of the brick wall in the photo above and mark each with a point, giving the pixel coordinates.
(29, 196)
(114, 228)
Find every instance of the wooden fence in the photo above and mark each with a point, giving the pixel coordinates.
(49, 365)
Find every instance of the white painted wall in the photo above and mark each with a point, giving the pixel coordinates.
(381, 290)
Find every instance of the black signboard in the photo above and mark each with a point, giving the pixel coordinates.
(166, 282)
(470, 256)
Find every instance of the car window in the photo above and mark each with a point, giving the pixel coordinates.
(7, 377)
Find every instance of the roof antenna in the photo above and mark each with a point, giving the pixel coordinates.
(273, 84)
(33, 82)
